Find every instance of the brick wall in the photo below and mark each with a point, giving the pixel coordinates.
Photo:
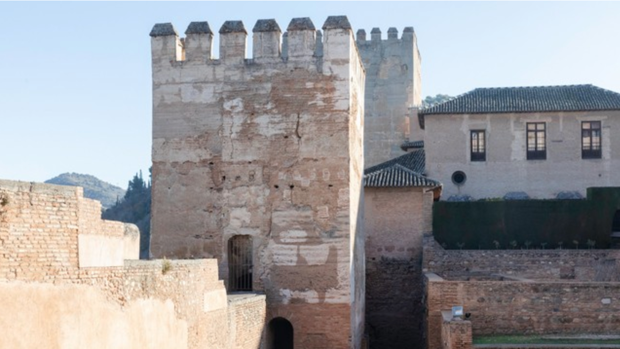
(395, 220)
(455, 334)
(40, 226)
(582, 265)
(38, 230)
(531, 307)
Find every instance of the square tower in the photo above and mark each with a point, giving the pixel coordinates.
(258, 163)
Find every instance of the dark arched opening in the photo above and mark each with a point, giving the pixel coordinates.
(240, 263)
(279, 334)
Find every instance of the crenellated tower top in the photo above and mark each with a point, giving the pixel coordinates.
(301, 41)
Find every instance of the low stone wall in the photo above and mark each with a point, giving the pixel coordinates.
(579, 265)
(531, 307)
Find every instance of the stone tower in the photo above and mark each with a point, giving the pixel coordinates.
(393, 89)
(258, 162)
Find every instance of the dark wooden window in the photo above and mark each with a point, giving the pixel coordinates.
(240, 263)
(478, 145)
(591, 140)
(536, 141)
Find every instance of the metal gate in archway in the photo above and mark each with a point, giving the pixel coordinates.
(240, 263)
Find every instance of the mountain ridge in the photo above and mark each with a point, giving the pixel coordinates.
(94, 188)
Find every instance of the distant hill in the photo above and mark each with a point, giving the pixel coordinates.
(94, 188)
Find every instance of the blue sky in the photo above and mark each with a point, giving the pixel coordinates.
(75, 81)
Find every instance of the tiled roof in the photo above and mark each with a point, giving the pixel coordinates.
(404, 171)
(528, 99)
(414, 161)
(412, 145)
(397, 176)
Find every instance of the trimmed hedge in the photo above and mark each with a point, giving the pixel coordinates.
(477, 224)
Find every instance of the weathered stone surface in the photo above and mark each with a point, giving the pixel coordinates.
(304, 23)
(337, 22)
(393, 86)
(163, 29)
(395, 220)
(198, 28)
(268, 149)
(233, 27)
(523, 307)
(266, 25)
(60, 261)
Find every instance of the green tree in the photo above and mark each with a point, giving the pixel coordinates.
(429, 101)
(135, 207)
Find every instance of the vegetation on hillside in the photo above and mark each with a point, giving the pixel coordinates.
(429, 101)
(94, 188)
(135, 207)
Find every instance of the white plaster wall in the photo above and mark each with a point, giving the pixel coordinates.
(77, 316)
(506, 169)
(96, 250)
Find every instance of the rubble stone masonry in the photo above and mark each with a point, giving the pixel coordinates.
(271, 148)
(524, 307)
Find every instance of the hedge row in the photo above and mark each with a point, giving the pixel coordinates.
(528, 223)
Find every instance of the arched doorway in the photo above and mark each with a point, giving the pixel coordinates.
(279, 334)
(240, 263)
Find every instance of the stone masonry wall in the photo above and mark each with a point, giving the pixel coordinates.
(566, 264)
(393, 87)
(455, 333)
(150, 304)
(396, 219)
(41, 227)
(506, 169)
(515, 307)
(268, 147)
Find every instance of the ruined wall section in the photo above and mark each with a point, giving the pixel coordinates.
(268, 147)
(393, 87)
(537, 264)
(396, 219)
(530, 307)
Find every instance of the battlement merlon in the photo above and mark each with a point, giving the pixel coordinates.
(165, 44)
(233, 37)
(266, 40)
(301, 42)
(375, 35)
(198, 42)
(301, 38)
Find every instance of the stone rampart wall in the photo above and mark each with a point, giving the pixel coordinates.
(579, 265)
(146, 304)
(530, 307)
